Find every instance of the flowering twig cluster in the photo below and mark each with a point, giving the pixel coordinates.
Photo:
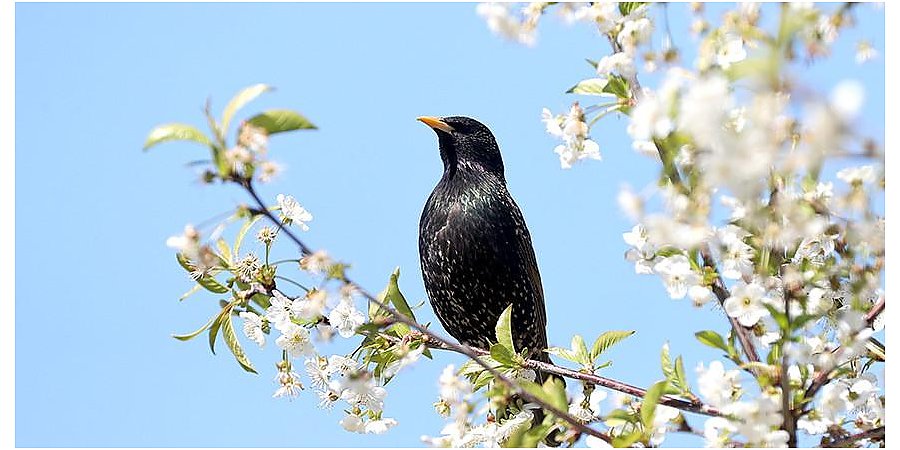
(750, 217)
(392, 339)
(793, 254)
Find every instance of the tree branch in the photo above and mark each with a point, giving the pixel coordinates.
(823, 377)
(718, 286)
(874, 433)
(684, 405)
(247, 184)
(722, 294)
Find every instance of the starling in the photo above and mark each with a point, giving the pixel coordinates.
(474, 247)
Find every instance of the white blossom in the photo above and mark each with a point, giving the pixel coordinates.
(605, 14)
(253, 138)
(295, 340)
(453, 388)
(677, 275)
(630, 203)
(288, 384)
(717, 385)
(634, 32)
(345, 318)
(704, 110)
(649, 119)
(268, 171)
(736, 256)
(717, 432)
(380, 426)
(253, 328)
(353, 423)
(359, 389)
(317, 371)
(618, 63)
(408, 358)
(664, 415)
(188, 243)
(730, 52)
(279, 311)
(642, 253)
(292, 212)
(587, 410)
(747, 303)
(247, 267)
(865, 52)
(857, 175)
(316, 263)
(500, 20)
(572, 129)
(847, 99)
(756, 418)
(310, 307)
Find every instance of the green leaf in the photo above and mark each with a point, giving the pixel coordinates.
(780, 318)
(526, 437)
(280, 120)
(556, 392)
(581, 351)
(681, 377)
(591, 86)
(712, 339)
(184, 262)
(193, 290)
(617, 86)
(607, 340)
(396, 297)
(175, 132)
(225, 250)
(211, 284)
(627, 8)
(618, 417)
(189, 336)
(563, 353)
(552, 392)
(774, 356)
(232, 341)
(503, 329)
(243, 232)
(224, 314)
(626, 440)
(392, 295)
(666, 362)
(503, 355)
(648, 405)
(238, 101)
(207, 281)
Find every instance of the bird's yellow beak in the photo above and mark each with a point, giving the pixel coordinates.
(435, 123)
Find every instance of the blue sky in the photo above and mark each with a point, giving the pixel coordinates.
(98, 290)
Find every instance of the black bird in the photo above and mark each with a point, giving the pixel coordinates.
(474, 247)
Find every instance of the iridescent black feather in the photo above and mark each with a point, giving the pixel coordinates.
(475, 249)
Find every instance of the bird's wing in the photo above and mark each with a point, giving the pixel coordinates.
(525, 249)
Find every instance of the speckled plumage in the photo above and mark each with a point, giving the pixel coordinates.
(475, 249)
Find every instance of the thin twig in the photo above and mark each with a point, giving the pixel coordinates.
(722, 294)
(684, 405)
(787, 410)
(874, 433)
(822, 378)
(718, 286)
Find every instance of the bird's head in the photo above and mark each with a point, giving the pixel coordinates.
(465, 143)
